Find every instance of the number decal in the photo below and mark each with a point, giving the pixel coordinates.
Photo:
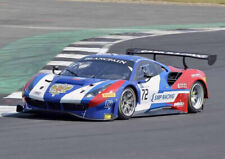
(144, 94)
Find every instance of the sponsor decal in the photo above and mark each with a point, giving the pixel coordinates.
(179, 104)
(195, 75)
(163, 97)
(60, 88)
(108, 95)
(182, 85)
(106, 59)
(107, 116)
(108, 104)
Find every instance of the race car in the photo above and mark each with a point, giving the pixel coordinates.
(111, 86)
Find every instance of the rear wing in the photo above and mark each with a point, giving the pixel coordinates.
(211, 58)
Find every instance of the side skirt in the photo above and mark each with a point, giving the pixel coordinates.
(160, 112)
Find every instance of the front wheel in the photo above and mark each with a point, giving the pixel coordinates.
(127, 104)
(196, 98)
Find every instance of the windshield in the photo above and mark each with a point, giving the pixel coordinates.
(101, 68)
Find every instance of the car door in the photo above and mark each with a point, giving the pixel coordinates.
(148, 86)
(165, 94)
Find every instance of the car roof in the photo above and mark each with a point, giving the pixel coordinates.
(135, 59)
(121, 57)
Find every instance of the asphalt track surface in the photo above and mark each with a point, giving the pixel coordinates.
(25, 18)
(194, 136)
(178, 136)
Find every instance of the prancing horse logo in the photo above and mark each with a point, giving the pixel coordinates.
(60, 88)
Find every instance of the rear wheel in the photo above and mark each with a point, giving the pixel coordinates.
(127, 104)
(196, 98)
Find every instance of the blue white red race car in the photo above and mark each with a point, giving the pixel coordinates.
(109, 86)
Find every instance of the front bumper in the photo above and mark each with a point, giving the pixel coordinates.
(103, 111)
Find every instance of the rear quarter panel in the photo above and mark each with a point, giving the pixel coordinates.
(188, 78)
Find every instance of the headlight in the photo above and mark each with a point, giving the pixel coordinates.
(29, 86)
(96, 91)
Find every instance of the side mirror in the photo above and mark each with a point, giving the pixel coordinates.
(54, 68)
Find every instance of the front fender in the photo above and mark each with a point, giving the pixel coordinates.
(120, 91)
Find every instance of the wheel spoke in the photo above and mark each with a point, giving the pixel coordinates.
(128, 102)
(197, 95)
(192, 100)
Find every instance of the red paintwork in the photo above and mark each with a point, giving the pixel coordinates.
(188, 78)
(99, 98)
(174, 69)
(31, 79)
(182, 97)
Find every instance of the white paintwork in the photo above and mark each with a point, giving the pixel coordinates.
(173, 95)
(153, 87)
(76, 96)
(36, 92)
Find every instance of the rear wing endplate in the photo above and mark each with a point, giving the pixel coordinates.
(211, 58)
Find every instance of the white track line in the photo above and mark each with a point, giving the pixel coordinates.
(162, 32)
(92, 42)
(120, 37)
(192, 30)
(7, 110)
(73, 56)
(214, 29)
(60, 63)
(85, 49)
(15, 95)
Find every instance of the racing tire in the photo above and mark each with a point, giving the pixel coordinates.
(196, 98)
(127, 104)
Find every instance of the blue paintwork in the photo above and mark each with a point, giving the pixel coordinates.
(99, 111)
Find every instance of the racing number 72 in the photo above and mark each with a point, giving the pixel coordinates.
(144, 94)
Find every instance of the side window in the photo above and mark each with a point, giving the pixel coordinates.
(158, 68)
(145, 67)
